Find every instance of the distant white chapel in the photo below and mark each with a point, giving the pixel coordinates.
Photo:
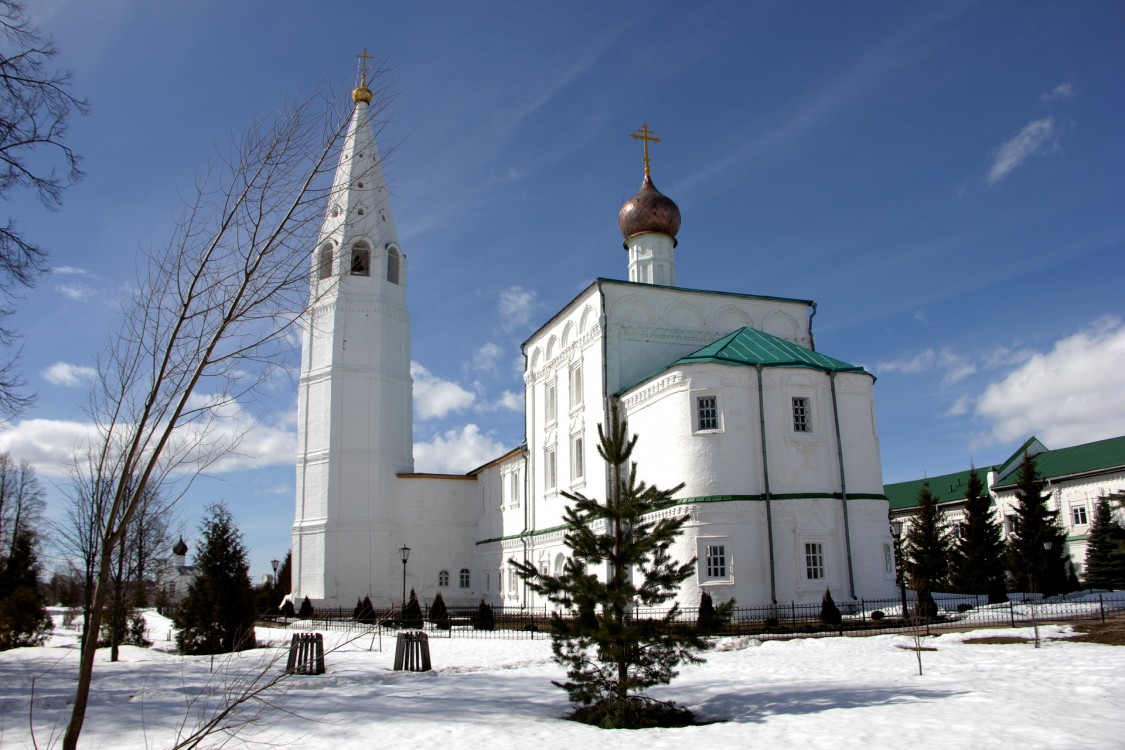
(776, 443)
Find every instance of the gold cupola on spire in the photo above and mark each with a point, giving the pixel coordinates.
(361, 92)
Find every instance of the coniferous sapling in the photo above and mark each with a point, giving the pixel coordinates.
(306, 610)
(439, 614)
(484, 618)
(829, 612)
(977, 555)
(412, 613)
(24, 620)
(610, 656)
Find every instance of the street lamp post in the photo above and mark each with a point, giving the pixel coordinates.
(896, 529)
(275, 563)
(404, 553)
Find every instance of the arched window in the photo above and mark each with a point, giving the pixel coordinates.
(361, 260)
(324, 262)
(443, 578)
(392, 264)
(465, 579)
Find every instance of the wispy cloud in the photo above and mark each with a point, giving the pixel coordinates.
(484, 358)
(515, 305)
(64, 374)
(456, 451)
(1062, 91)
(435, 397)
(1037, 137)
(954, 367)
(1069, 395)
(76, 292)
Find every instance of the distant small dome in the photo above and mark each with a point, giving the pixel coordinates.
(649, 211)
(180, 549)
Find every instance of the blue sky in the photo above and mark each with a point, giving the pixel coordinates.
(945, 180)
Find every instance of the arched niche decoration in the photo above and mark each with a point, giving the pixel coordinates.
(361, 259)
(394, 264)
(324, 261)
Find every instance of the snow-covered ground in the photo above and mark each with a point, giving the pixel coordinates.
(497, 694)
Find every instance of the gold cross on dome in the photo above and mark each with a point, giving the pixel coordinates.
(644, 133)
(363, 58)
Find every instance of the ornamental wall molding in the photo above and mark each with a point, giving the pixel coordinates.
(654, 389)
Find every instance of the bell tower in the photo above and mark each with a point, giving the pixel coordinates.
(354, 405)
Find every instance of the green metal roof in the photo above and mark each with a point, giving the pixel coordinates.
(1078, 459)
(749, 347)
(947, 488)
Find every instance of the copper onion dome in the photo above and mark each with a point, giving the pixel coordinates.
(649, 211)
(180, 548)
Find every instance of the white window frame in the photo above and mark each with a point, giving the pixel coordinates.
(443, 578)
(577, 459)
(716, 560)
(814, 560)
(551, 402)
(1075, 512)
(513, 482)
(699, 402)
(575, 386)
(550, 469)
(466, 578)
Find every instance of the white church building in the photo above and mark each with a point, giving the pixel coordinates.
(776, 443)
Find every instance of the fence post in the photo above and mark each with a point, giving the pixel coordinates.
(1012, 613)
(862, 611)
(1101, 606)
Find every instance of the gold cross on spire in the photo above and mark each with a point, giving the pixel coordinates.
(644, 133)
(363, 58)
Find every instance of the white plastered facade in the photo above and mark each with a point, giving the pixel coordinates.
(358, 500)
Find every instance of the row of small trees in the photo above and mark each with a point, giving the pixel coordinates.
(1034, 559)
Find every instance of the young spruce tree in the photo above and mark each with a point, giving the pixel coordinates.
(1036, 554)
(1105, 550)
(977, 556)
(926, 552)
(218, 614)
(611, 657)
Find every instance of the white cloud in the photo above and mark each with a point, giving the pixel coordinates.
(1067, 396)
(70, 271)
(910, 365)
(68, 375)
(51, 445)
(1032, 139)
(76, 292)
(456, 451)
(957, 368)
(515, 307)
(508, 400)
(1062, 91)
(960, 407)
(484, 359)
(434, 397)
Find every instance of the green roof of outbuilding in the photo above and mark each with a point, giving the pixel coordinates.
(947, 488)
(749, 347)
(1078, 459)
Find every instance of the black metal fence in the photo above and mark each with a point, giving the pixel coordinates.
(860, 617)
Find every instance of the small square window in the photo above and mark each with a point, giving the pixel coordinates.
(1078, 515)
(814, 561)
(707, 412)
(801, 414)
(715, 561)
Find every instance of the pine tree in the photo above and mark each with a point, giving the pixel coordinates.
(412, 612)
(218, 614)
(484, 619)
(1036, 553)
(611, 657)
(306, 610)
(829, 612)
(926, 552)
(439, 614)
(1105, 549)
(977, 556)
(23, 616)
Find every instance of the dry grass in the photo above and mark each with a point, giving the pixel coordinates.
(1110, 633)
(998, 639)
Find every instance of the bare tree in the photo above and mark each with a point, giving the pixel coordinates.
(208, 324)
(35, 104)
(21, 502)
